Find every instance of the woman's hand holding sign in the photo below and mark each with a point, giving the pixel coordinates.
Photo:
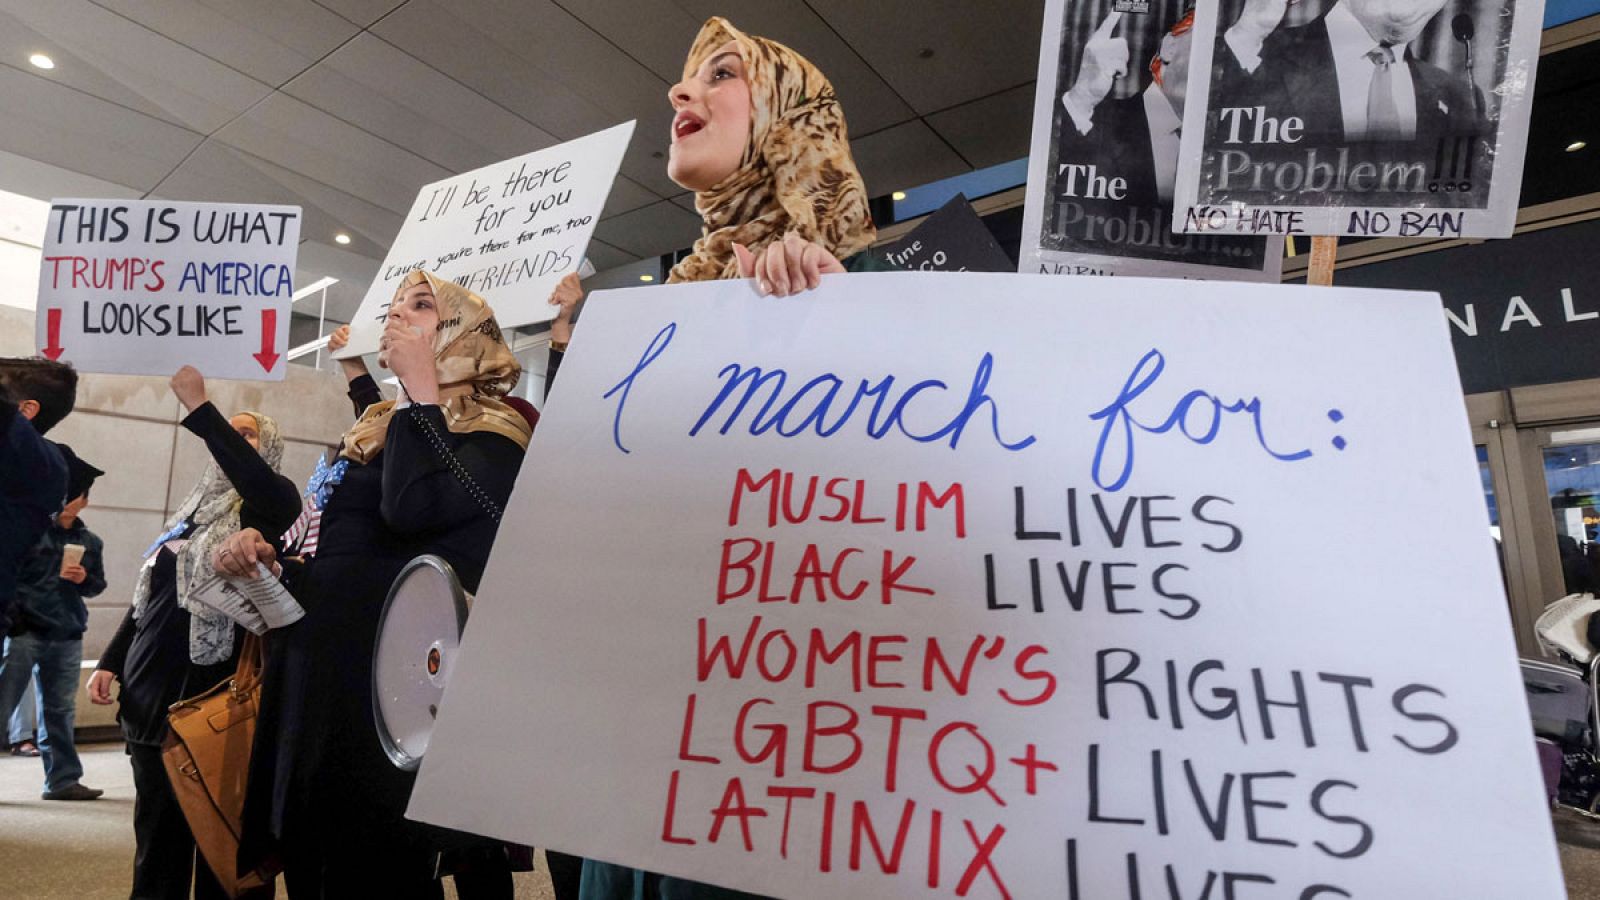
(238, 555)
(355, 366)
(568, 295)
(787, 266)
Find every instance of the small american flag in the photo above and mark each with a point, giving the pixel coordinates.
(301, 538)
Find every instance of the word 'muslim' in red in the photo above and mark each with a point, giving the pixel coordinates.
(845, 500)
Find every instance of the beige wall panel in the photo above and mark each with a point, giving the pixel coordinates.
(133, 453)
(308, 405)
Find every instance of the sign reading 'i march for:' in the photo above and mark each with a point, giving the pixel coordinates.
(1094, 595)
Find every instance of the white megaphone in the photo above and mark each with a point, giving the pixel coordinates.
(419, 634)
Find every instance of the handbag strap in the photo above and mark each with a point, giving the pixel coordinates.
(455, 466)
(248, 673)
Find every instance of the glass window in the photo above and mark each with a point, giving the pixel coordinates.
(1572, 477)
(1488, 491)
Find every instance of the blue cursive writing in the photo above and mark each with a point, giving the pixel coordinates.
(815, 406)
(1114, 452)
(658, 345)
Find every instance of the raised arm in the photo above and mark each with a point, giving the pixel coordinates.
(568, 295)
(272, 498)
(363, 389)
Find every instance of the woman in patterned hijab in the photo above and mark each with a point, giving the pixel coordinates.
(209, 516)
(760, 137)
(428, 474)
(472, 364)
(794, 180)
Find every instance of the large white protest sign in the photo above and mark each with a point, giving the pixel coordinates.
(508, 231)
(1402, 119)
(833, 598)
(1104, 159)
(143, 287)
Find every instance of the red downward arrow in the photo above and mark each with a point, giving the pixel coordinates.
(269, 337)
(53, 330)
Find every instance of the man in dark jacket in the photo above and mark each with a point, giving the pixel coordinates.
(49, 616)
(35, 394)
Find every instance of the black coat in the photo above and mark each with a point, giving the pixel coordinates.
(33, 486)
(1117, 146)
(319, 780)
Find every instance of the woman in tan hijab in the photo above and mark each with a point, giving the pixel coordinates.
(760, 137)
(428, 473)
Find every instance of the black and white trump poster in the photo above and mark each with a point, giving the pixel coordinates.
(1104, 160)
(1399, 118)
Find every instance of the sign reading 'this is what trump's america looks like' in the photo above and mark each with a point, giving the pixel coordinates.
(142, 287)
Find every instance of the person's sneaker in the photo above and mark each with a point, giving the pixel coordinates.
(73, 792)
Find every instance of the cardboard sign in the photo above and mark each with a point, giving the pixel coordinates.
(144, 287)
(507, 232)
(854, 602)
(1314, 128)
(1104, 159)
(952, 239)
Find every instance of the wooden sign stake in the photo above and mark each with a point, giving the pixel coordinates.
(1324, 250)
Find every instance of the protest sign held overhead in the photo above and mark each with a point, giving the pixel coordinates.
(1104, 160)
(1003, 605)
(952, 239)
(507, 231)
(1348, 117)
(143, 287)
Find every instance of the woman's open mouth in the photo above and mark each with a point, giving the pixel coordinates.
(686, 124)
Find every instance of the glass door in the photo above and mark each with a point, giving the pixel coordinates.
(1495, 442)
(1569, 538)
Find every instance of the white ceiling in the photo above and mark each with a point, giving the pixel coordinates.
(347, 107)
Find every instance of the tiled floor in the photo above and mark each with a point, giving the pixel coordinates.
(84, 851)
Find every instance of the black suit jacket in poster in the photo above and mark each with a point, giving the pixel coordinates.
(1297, 77)
(1117, 146)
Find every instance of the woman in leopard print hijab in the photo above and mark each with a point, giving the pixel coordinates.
(795, 180)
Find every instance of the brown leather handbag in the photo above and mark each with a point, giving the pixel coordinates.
(207, 755)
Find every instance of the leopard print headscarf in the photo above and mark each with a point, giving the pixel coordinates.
(475, 369)
(796, 174)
